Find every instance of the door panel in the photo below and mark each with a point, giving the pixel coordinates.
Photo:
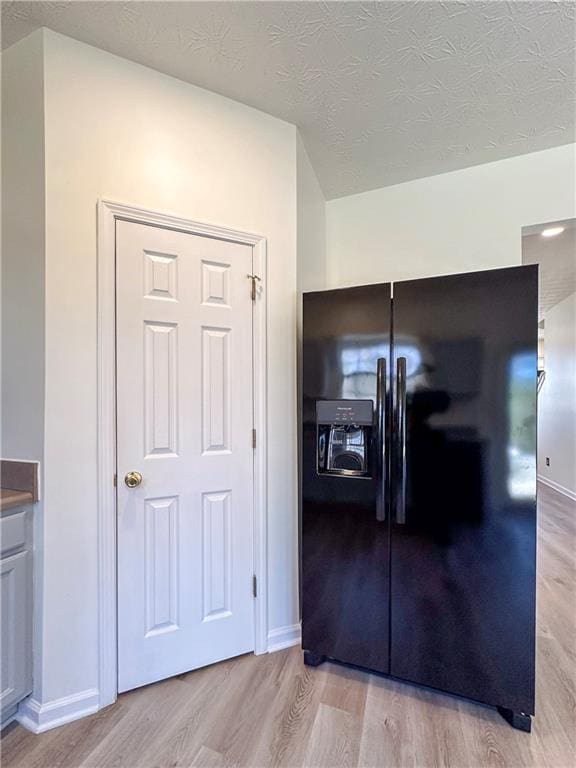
(463, 562)
(345, 549)
(185, 535)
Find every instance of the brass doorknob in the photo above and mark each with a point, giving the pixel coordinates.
(132, 479)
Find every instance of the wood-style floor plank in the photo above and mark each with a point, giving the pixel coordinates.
(387, 727)
(335, 739)
(273, 712)
(207, 758)
(286, 731)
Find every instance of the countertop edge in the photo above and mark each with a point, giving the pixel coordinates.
(11, 498)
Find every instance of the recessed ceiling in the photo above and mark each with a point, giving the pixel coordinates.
(556, 258)
(383, 92)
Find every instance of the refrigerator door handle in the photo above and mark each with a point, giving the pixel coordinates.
(381, 438)
(401, 440)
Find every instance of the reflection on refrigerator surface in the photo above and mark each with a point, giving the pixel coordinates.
(521, 426)
(469, 522)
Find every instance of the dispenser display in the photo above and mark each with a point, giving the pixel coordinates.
(344, 436)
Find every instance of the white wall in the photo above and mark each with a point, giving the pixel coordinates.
(455, 222)
(23, 275)
(557, 398)
(312, 267)
(23, 251)
(122, 131)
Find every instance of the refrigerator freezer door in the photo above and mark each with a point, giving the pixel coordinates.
(464, 539)
(345, 548)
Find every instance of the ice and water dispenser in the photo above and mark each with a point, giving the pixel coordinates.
(344, 437)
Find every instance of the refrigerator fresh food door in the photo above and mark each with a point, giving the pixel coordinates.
(344, 527)
(463, 537)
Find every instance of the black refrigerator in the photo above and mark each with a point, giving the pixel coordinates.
(418, 483)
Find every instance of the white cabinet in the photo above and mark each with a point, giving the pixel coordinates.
(16, 607)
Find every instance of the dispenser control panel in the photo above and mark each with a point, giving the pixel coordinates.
(344, 437)
(344, 412)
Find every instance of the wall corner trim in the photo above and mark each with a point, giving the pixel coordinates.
(284, 637)
(38, 717)
(557, 487)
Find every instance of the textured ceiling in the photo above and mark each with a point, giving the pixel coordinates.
(382, 92)
(556, 257)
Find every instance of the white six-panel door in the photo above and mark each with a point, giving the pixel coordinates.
(184, 422)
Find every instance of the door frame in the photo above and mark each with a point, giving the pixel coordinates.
(108, 212)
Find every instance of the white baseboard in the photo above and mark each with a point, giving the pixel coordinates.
(557, 487)
(38, 717)
(284, 637)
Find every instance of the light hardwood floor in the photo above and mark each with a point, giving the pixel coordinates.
(272, 711)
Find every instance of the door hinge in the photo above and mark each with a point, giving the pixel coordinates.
(254, 278)
(253, 438)
(254, 586)
(115, 480)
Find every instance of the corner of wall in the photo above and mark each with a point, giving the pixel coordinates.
(38, 718)
(24, 280)
(311, 223)
(23, 248)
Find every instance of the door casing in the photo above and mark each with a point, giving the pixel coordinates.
(108, 212)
